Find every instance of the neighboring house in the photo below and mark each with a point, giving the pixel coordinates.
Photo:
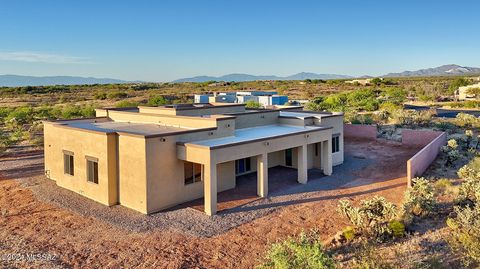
(265, 98)
(153, 158)
(359, 81)
(462, 92)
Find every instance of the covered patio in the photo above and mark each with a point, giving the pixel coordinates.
(257, 143)
(280, 178)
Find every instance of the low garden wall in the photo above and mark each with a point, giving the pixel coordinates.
(360, 131)
(418, 138)
(432, 142)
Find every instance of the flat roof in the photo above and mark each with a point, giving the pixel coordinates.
(310, 114)
(253, 134)
(192, 106)
(145, 129)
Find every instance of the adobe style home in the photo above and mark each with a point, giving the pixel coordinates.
(152, 158)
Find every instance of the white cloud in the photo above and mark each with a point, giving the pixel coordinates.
(36, 57)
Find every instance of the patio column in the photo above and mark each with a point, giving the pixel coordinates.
(262, 175)
(327, 157)
(302, 164)
(210, 188)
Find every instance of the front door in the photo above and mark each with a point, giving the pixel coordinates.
(242, 166)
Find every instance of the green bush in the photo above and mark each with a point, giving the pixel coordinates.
(397, 228)
(371, 218)
(304, 252)
(457, 83)
(252, 104)
(100, 95)
(21, 115)
(117, 95)
(157, 101)
(465, 236)
(126, 103)
(348, 233)
(356, 118)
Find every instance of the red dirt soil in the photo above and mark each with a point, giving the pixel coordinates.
(31, 226)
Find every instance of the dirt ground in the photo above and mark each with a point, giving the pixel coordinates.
(29, 226)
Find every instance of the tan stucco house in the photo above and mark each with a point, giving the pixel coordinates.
(152, 158)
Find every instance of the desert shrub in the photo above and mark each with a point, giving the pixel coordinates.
(117, 95)
(390, 107)
(157, 101)
(451, 152)
(4, 141)
(355, 118)
(126, 103)
(4, 111)
(397, 228)
(394, 95)
(443, 185)
(100, 95)
(465, 236)
(445, 126)
(419, 199)
(366, 256)
(348, 233)
(20, 116)
(467, 120)
(371, 218)
(465, 104)
(34, 134)
(412, 117)
(469, 190)
(305, 251)
(459, 82)
(252, 104)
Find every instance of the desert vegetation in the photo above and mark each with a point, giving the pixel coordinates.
(441, 209)
(379, 234)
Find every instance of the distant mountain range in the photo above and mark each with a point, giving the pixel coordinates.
(444, 70)
(247, 77)
(17, 81)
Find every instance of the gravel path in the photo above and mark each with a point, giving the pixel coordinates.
(27, 169)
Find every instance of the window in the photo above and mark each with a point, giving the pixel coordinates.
(335, 143)
(316, 149)
(192, 172)
(68, 163)
(243, 165)
(92, 170)
(289, 157)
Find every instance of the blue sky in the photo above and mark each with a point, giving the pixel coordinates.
(166, 40)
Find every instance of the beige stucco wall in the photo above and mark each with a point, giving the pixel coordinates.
(150, 169)
(337, 124)
(197, 154)
(82, 144)
(191, 122)
(220, 109)
(132, 161)
(165, 176)
(256, 119)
